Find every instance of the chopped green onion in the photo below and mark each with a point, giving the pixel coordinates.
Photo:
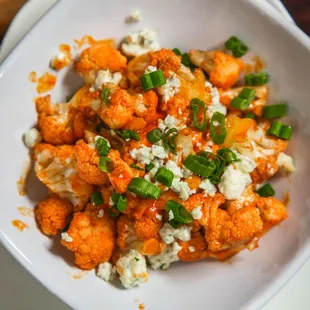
(247, 93)
(157, 78)
(286, 132)
(275, 129)
(105, 164)
(143, 188)
(217, 128)
(154, 135)
(250, 115)
(187, 62)
(275, 111)
(177, 51)
(103, 146)
(120, 201)
(136, 167)
(228, 155)
(199, 165)
(128, 134)
(164, 176)
(196, 105)
(237, 47)
(101, 125)
(152, 80)
(240, 103)
(256, 79)
(105, 95)
(169, 140)
(149, 167)
(113, 213)
(266, 190)
(180, 214)
(96, 198)
(137, 259)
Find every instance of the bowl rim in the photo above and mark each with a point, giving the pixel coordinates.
(274, 286)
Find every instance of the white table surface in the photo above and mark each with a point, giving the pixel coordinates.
(20, 291)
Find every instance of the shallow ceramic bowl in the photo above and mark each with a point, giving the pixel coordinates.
(250, 278)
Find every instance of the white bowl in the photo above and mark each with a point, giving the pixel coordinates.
(250, 278)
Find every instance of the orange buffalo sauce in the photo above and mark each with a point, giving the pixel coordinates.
(19, 225)
(46, 82)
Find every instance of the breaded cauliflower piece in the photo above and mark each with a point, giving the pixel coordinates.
(165, 60)
(226, 231)
(102, 55)
(87, 164)
(265, 169)
(121, 174)
(145, 106)
(120, 109)
(93, 237)
(146, 227)
(55, 166)
(52, 214)
(272, 210)
(59, 123)
(223, 69)
(125, 232)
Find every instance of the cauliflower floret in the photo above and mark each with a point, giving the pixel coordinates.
(165, 59)
(106, 271)
(121, 174)
(265, 169)
(132, 269)
(285, 162)
(52, 214)
(194, 249)
(125, 232)
(226, 231)
(224, 70)
(55, 166)
(119, 111)
(87, 164)
(93, 238)
(145, 106)
(100, 56)
(59, 123)
(32, 137)
(272, 210)
(146, 228)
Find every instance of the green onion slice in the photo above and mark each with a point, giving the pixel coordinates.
(240, 50)
(266, 190)
(275, 129)
(103, 146)
(256, 79)
(232, 43)
(128, 134)
(286, 132)
(113, 213)
(96, 198)
(217, 128)
(164, 176)
(169, 140)
(136, 167)
(120, 201)
(250, 115)
(247, 93)
(152, 80)
(275, 111)
(177, 51)
(240, 103)
(154, 135)
(237, 47)
(105, 95)
(149, 167)
(228, 155)
(180, 214)
(187, 62)
(143, 188)
(106, 164)
(199, 165)
(196, 105)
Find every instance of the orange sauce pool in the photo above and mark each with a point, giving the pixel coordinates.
(19, 225)
(141, 306)
(46, 82)
(286, 198)
(79, 274)
(26, 211)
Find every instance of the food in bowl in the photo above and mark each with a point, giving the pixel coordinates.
(161, 156)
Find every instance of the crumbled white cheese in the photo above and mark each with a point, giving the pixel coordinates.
(159, 151)
(174, 168)
(59, 58)
(140, 42)
(182, 188)
(208, 188)
(216, 105)
(101, 213)
(143, 155)
(196, 213)
(134, 17)
(158, 217)
(186, 172)
(132, 269)
(150, 69)
(105, 76)
(191, 249)
(169, 234)
(171, 88)
(106, 271)
(66, 237)
(168, 256)
(32, 137)
(285, 163)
